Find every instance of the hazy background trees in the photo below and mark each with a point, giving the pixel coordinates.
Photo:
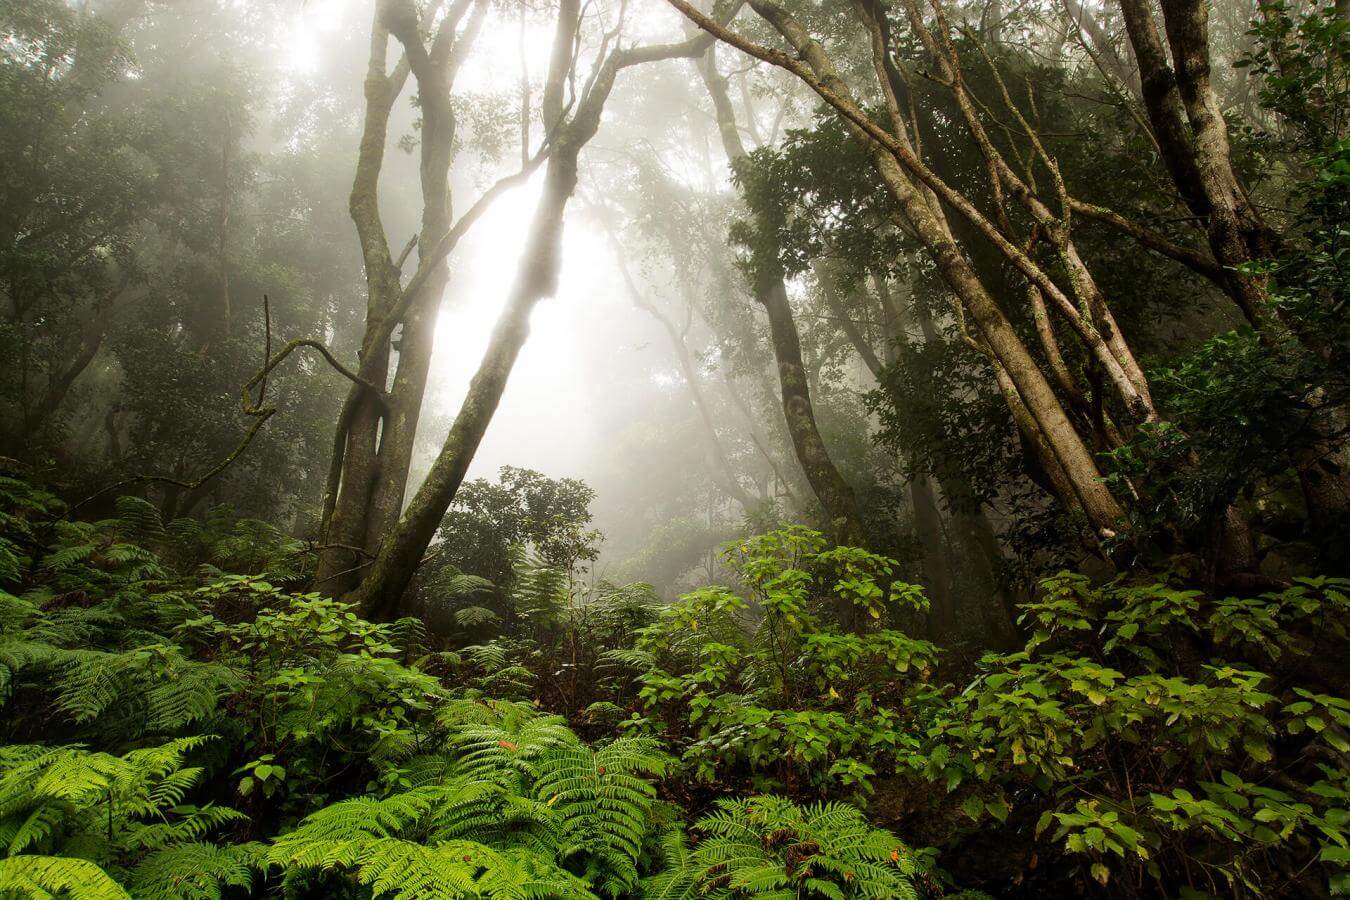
(168, 165)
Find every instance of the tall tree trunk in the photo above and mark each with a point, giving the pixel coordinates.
(829, 486)
(355, 459)
(1070, 455)
(1193, 138)
(433, 68)
(375, 436)
(380, 593)
(1200, 160)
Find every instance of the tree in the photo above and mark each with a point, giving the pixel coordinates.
(373, 443)
(383, 585)
(769, 290)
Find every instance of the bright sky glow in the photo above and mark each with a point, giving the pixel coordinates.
(548, 418)
(545, 418)
(311, 22)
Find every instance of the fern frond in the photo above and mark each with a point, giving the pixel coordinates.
(55, 876)
(138, 518)
(196, 871)
(189, 692)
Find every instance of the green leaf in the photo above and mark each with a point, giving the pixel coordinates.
(973, 806)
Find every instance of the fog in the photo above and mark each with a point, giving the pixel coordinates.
(594, 361)
(699, 448)
(710, 354)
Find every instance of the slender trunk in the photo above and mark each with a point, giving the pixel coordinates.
(719, 466)
(829, 486)
(347, 503)
(380, 593)
(1103, 48)
(1193, 138)
(374, 438)
(434, 68)
(791, 480)
(1067, 453)
(382, 589)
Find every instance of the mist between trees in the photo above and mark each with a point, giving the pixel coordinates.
(645, 448)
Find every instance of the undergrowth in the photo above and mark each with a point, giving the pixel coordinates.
(181, 718)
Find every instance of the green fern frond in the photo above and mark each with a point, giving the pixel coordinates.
(54, 876)
(189, 692)
(604, 800)
(771, 847)
(138, 518)
(337, 834)
(196, 871)
(475, 617)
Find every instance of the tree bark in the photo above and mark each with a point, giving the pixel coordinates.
(834, 493)
(1071, 455)
(380, 592)
(375, 436)
(1193, 139)
(829, 486)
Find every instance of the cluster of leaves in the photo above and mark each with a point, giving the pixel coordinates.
(771, 685)
(1160, 735)
(1147, 734)
(523, 526)
(140, 235)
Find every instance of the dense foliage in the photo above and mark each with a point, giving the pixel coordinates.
(174, 730)
(932, 479)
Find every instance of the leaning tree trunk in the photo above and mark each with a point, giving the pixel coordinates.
(382, 589)
(380, 592)
(374, 439)
(1062, 448)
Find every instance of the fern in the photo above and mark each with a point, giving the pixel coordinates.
(475, 617)
(49, 876)
(604, 799)
(196, 871)
(57, 798)
(539, 592)
(769, 847)
(370, 839)
(138, 519)
(502, 736)
(679, 878)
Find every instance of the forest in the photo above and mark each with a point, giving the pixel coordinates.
(674, 449)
